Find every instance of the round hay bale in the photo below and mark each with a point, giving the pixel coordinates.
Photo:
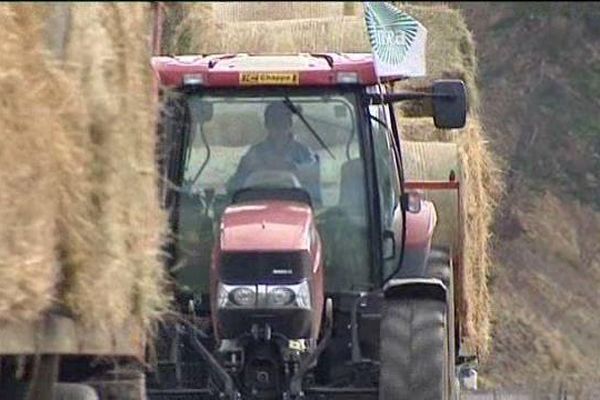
(434, 161)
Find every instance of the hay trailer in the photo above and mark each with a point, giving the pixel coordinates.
(335, 279)
(57, 358)
(54, 355)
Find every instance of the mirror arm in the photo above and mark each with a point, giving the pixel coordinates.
(377, 99)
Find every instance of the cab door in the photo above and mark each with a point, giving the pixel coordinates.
(387, 168)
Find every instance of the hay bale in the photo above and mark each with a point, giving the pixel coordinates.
(28, 200)
(450, 55)
(480, 188)
(276, 10)
(332, 34)
(82, 226)
(118, 274)
(434, 161)
(182, 20)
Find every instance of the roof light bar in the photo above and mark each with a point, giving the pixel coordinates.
(347, 77)
(193, 79)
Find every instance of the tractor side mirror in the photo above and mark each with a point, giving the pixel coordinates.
(449, 104)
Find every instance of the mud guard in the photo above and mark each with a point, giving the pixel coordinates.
(416, 356)
(416, 288)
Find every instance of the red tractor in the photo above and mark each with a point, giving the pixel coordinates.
(303, 262)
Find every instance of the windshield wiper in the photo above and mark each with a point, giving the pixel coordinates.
(295, 110)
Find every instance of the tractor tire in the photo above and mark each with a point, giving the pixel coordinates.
(74, 391)
(414, 351)
(417, 360)
(439, 266)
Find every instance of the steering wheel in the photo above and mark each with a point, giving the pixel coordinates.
(272, 179)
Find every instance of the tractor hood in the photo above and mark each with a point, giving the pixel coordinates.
(267, 226)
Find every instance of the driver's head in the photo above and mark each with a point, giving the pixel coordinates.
(278, 121)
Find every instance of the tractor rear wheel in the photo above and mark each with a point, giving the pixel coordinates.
(417, 359)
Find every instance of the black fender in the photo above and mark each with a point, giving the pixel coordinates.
(416, 288)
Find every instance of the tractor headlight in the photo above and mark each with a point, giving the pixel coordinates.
(264, 296)
(280, 296)
(243, 296)
(237, 296)
(289, 296)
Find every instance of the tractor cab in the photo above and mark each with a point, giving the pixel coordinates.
(229, 142)
(282, 175)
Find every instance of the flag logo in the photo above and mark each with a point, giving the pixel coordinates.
(397, 40)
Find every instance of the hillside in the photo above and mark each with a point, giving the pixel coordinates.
(539, 70)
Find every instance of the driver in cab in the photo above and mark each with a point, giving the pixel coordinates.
(280, 151)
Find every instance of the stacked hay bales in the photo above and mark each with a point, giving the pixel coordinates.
(480, 186)
(267, 11)
(192, 28)
(84, 223)
(279, 36)
(109, 51)
(450, 54)
(29, 269)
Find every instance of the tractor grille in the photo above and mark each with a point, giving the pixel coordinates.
(244, 267)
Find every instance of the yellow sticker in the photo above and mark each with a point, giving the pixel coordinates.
(269, 78)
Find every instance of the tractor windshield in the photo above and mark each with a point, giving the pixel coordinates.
(302, 138)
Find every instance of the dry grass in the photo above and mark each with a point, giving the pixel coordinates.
(182, 22)
(28, 201)
(545, 298)
(276, 10)
(482, 186)
(435, 161)
(280, 36)
(81, 221)
(119, 273)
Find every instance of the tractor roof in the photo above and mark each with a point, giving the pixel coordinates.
(235, 70)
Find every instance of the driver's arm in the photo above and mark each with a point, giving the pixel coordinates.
(311, 178)
(243, 170)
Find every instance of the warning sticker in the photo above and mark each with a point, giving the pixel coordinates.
(269, 78)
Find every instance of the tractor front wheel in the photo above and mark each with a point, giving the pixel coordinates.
(417, 354)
